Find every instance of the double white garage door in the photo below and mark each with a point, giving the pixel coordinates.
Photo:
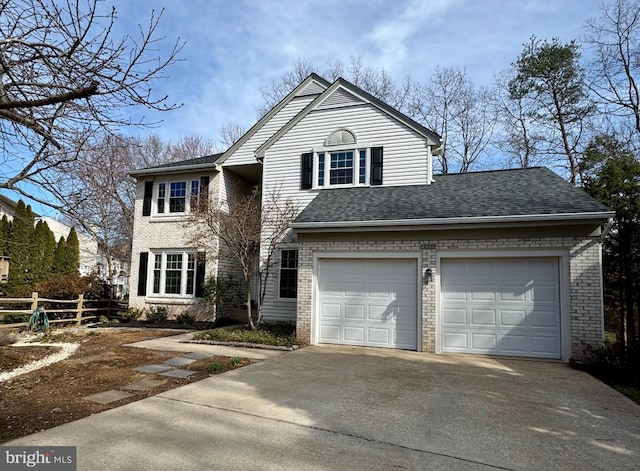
(501, 306)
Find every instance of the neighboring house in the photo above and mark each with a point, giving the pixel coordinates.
(94, 260)
(383, 253)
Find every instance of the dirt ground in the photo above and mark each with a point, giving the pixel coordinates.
(53, 395)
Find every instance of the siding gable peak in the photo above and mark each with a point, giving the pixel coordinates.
(343, 93)
(312, 85)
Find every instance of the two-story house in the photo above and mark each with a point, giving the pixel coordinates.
(383, 252)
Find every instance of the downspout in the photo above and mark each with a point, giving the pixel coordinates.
(607, 227)
(430, 155)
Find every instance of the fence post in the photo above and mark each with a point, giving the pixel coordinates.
(34, 300)
(79, 316)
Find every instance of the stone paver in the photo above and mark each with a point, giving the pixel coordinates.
(154, 369)
(178, 373)
(178, 361)
(197, 355)
(143, 385)
(108, 396)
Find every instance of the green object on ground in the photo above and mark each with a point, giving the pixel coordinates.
(39, 321)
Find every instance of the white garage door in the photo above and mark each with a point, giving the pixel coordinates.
(368, 302)
(501, 307)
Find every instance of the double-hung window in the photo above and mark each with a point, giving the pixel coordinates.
(342, 167)
(176, 197)
(341, 161)
(174, 273)
(289, 274)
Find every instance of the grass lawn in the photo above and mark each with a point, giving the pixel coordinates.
(632, 393)
(281, 335)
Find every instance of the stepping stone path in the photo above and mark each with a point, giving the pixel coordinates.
(170, 368)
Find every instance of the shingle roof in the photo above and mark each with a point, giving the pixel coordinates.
(520, 192)
(207, 159)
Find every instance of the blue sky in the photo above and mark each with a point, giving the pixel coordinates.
(235, 47)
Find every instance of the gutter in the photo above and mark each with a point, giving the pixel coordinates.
(442, 223)
(175, 169)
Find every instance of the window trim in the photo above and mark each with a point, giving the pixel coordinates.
(190, 184)
(156, 286)
(279, 296)
(356, 148)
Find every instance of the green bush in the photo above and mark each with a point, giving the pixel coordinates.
(157, 314)
(131, 314)
(235, 361)
(185, 319)
(216, 368)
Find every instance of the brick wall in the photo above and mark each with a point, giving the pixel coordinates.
(585, 297)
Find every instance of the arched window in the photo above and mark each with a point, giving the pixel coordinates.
(340, 137)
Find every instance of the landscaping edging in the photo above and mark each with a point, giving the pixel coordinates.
(243, 345)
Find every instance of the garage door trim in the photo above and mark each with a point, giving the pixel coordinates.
(564, 281)
(393, 255)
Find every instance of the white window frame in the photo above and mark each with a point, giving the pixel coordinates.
(188, 196)
(163, 254)
(327, 151)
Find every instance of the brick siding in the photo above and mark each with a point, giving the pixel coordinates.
(585, 279)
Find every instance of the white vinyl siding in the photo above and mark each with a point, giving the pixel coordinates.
(405, 153)
(405, 163)
(340, 97)
(245, 154)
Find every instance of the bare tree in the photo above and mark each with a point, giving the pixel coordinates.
(230, 133)
(614, 38)
(246, 232)
(97, 193)
(65, 80)
(378, 83)
(450, 105)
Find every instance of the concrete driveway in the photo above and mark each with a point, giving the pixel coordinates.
(357, 408)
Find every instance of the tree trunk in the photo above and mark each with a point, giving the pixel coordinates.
(247, 284)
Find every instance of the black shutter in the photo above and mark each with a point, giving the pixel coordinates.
(200, 270)
(146, 203)
(376, 166)
(204, 187)
(142, 273)
(307, 171)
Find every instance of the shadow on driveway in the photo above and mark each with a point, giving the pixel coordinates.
(331, 407)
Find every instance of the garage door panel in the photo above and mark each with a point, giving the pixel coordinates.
(331, 332)
(454, 316)
(483, 317)
(377, 302)
(484, 342)
(539, 318)
(354, 311)
(354, 334)
(514, 310)
(330, 311)
(512, 293)
(512, 318)
(455, 341)
(379, 290)
(354, 290)
(378, 336)
(544, 293)
(482, 293)
(513, 343)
